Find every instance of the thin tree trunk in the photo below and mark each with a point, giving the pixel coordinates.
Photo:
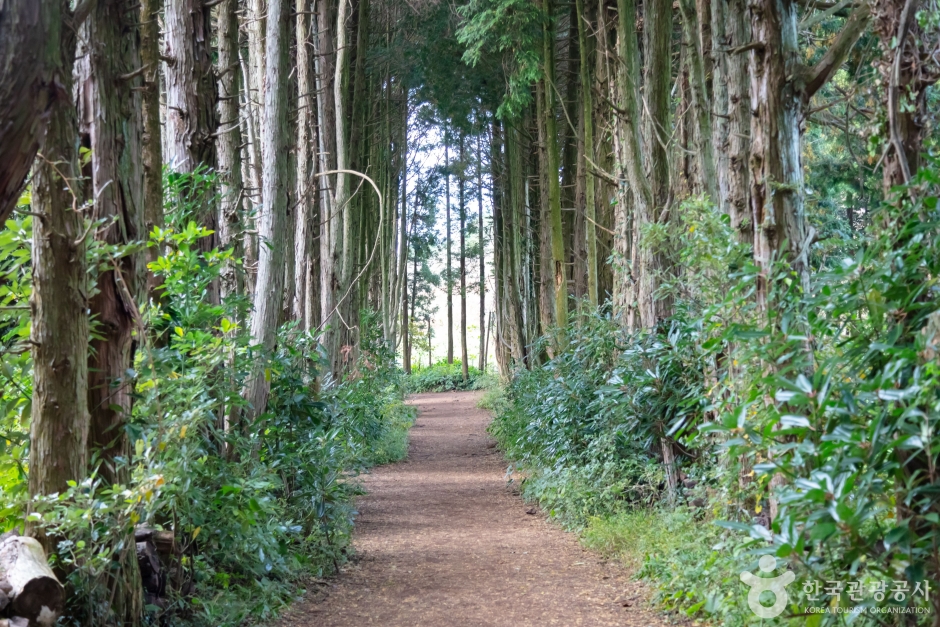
(482, 253)
(152, 153)
(228, 144)
(462, 208)
(341, 204)
(448, 278)
(305, 190)
(272, 221)
(587, 113)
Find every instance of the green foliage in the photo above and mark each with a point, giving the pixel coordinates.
(833, 391)
(508, 29)
(445, 377)
(254, 507)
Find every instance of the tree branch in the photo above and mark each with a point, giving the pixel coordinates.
(837, 53)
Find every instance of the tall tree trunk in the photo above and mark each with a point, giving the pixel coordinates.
(109, 110)
(152, 152)
(629, 154)
(272, 221)
(653, 262)
(329, 224)
(701, 104)
(738, 29)
(462, 209)
(341, 203)
(552, 165)
(587, 114)
(58, 430)
(482, 253)
(776, 174)
(228, 143)
(448, 271)
(305, 193)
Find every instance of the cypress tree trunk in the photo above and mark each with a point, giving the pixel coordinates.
(587, 115)
(191, 97)
(776, 175)
(272, 221)
(29, 57)
(482, 358)
(653, 262)
(552, 165)
(739, 121)
(448, 276)
(228, 143)
(462, 208)
(701, 104)
(152, 153)
(109, 109)
(330, 222)
(305, 189)
(59, 418)
(629, 154)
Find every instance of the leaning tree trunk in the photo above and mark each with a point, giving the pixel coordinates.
(59, 332)
(272, 221)
(907, 68)
(110, 121)
(32, 85)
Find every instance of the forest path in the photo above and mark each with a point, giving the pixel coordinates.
(442, 540)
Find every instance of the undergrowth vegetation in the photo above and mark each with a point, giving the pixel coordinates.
(805, 430)
(445, 377)
(253, 507)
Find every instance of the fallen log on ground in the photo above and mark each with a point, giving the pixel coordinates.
(30, 590)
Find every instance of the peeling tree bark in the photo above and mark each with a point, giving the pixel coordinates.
(109, 111)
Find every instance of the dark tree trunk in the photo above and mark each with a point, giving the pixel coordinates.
(32, 84)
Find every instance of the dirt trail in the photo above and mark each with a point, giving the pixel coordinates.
(441, 540)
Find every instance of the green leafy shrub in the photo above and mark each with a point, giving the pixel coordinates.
(254, 506)
(445, 377)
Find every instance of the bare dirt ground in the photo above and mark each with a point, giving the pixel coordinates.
(442, 540)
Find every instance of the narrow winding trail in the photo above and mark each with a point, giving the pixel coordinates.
(441, 540)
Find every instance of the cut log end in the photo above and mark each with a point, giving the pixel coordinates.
(35, 595)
